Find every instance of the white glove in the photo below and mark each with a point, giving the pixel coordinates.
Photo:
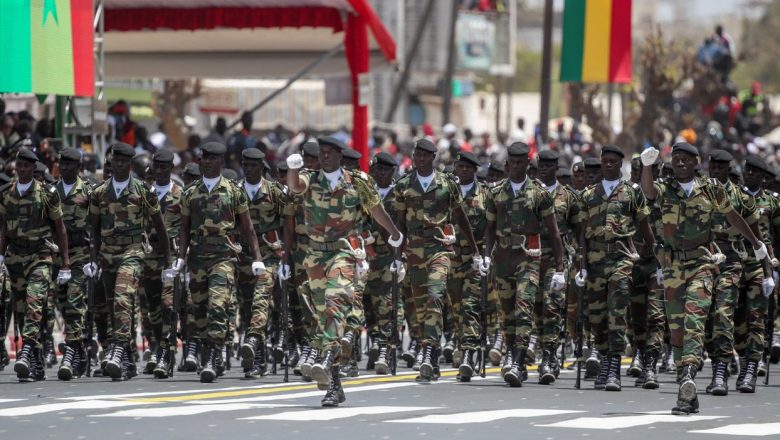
(283, 272)
(168, 275)
(177, 265)
(401, 269)
(767, 287)
(396, 243)
(775, 262)
(580, 278)
(476, 262)
(258, 268)
(484, 268)
(649, 156)
(558, 281)
(659, 277)
(361, 268)
(761, 252)
(90, 270)
(295, 161)
(63, 276)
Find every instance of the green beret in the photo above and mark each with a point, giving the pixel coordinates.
(721, 156)
(612, 149)
(592, 162)
(192, 169)
(26, 154)
(469, 157)
(163, 155)
(123, 150)
(253, 154)
(331, 141)
(349, 153)
(518, 149)
(214, 148)
(384, 159)
(684, 147)
(757, 162)
(548, 156)
(425, 145)
(312, 149)
(70, 153)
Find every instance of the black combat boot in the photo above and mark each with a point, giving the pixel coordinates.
(650, 373)
(152, 358)
(309, 362)
(546, 373)
(748, 384)
(305, 351)
(4, 358)
(349, 369)
(448, 350)
(209, 354)
(436, 369)
(292, 354)
(515, 376)
(496, 352)
(507, 361)
(129, 369)
(113, 367)
(259, 366)
(373, 352)
(321, 371)
(335, 394)
(613, 374)
(741, 369)
(165, 358)
(410, 355)
(347, 344)
(37, 365)
(720, 379)
(252, 344)
(467, 368)
(23, 364)
(687, 401)
(382, 364)
(637, 364)
(426, 365)
(601, 378)
(593, 365)
(191, 363)
(69, 366)
(49, 354)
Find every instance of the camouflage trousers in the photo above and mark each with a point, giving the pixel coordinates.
(648, 318)
(332, 283)
(121, 278)
(30, 276)
(410, 309)
(607, 286)
(356, 317)
(157, 298)
(211, 286)
(719, 329)
(428, 278)
(254, 295)
(464, 290)
(750, 312)
(303, 319)
(688, 289)
(548, 304)
(75, 305)
(517, 283)
(378, 299)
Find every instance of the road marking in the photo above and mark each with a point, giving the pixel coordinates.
(482, 416)
(9, 400)
(316, 393)
(750, 429)
(53, 407)
(189, 410)
(621, 422)
(338, 413)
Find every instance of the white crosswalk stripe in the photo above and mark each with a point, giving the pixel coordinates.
(62, 406)
(622, 422)
(482, 416)
(190, 410)
(338, 413)
(747, 429)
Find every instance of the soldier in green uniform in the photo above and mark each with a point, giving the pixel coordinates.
(578, 179)
(517, 210)
(74, 194)
(592, 171)
(495, 172)
(330, 198)
(612, 210)
(427, 202)
(31, 215)
(210, 209)
(266, 203)
(190, 174)
(119, 211)
(688, 207)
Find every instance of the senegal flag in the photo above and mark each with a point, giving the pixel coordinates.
(47, 47)
(596, 41)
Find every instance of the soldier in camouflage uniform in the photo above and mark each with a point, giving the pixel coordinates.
(31, 215)
(119, 211)
(331, 198)
(427, 201)
(266, 203)
(688, 207)
(74, 194)
(517, 210)
(210, 209)
(612, 209)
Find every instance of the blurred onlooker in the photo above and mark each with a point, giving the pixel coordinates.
(218, 133)
(240, 140)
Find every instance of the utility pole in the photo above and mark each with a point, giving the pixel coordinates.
(451, 57)
(544, 111)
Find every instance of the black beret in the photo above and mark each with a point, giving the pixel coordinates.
(518, 149)
(253, 153)
(26, 154)
(4, 178)
(496, 166)
(563, 172)
(282, 166)
(163, 155)
(229, 174)
(685, 147)
(333, 142)
(757, 162)
(425, 145)
(735, 172)
(213, 148)
(385, 159)
(549, 155)
(70, 153)
(41, 167)
(349, 153)
(579, 166)
(720, 156)
(592, 162)
(612, 149)
(469, 157)
(192, 169)
(122, 149)
(312, 149)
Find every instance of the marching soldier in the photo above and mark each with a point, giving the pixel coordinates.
(32, 214)
(330, 199)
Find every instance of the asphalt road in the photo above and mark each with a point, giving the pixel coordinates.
(377, 407)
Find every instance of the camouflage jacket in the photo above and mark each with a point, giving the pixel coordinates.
(380, 246)
(28, 218)
(334, 214)
(75, 214)
(614, 217)
(212, 217)
(267, 209)
(744, 204)
(518, 215)
(170, 207)
(427, 211)
(475, 205)
(568, 215)
(688, 221)
(768, 213)
(123, 219)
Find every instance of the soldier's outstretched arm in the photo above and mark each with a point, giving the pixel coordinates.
(741, 225)
(465, 226)
(162, 233)
(249, 233)
(557, 244)
(384, 220)
(184, 236)
(62, 242)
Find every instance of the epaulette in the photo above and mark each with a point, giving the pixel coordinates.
(49, 188)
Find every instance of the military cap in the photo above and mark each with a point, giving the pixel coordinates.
(229, 174)
(736, 172)
(425, 145)
(41, 167)
(282, 166)
(123, 150)
(192, 169)
(756, 161)
(349, 153)
(612, 149)
(163, 155)
(385, 159)
(496, 166)
(549, 155)
(592, 162)
(26, 154)
(4, 178)
(469, 157)
(312, 149)
(685, 147)
(213, 148)
(70, 153)
(563, 172)
(720, 156)
(579, 166)
(333, 142)
(253, 154)
(518, 149)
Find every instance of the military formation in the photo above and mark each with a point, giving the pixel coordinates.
(521, 263)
